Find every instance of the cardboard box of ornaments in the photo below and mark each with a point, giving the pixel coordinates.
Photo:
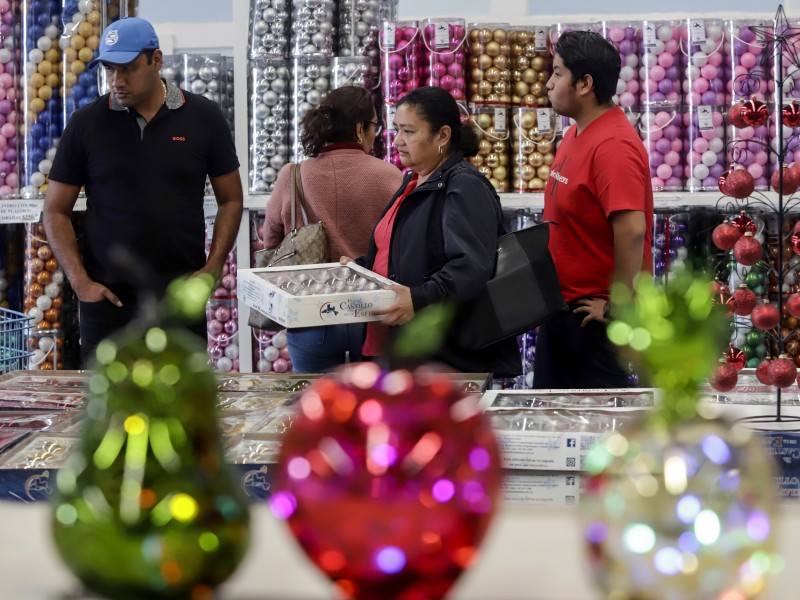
(313, 295)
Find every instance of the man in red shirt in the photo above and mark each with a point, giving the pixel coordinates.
(600, 196)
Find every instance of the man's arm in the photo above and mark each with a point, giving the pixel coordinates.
(629, 227)
(58, 204)
(230, 203)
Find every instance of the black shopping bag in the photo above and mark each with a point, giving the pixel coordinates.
(523, 292)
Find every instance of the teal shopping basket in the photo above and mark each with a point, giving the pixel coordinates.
(14, 328)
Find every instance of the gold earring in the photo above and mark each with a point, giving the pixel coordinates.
(441, 149)
(359, 140)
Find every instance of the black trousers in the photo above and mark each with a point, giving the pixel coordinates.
(98, 320)
(569, 356)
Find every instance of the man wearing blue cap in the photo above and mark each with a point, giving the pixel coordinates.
(142, 153)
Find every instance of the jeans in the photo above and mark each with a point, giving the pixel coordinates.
(320, 349)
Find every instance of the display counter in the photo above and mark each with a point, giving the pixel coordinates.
(531, 553)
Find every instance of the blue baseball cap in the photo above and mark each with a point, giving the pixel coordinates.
(124, 40)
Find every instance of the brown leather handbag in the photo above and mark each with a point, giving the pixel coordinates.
(304, 245)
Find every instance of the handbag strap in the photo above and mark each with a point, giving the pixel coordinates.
(297, 197)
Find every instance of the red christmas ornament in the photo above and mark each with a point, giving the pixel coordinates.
(725, 300)
(790, 114)
(721, 182)
(717, 288)
(725, 236)
(739, 183)
(744, 223)
(794, 172)
(782, 371)
(789, 184)
(754, 112)
(735, 116)
(744, 301)
(762, 372)
(765, 316)
(735, 357)
(724, 377)
(793, 305)
(794, 240)
(747, 250)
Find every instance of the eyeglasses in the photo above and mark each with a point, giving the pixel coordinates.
(378, 126)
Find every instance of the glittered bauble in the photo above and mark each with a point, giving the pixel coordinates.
(793, 305)
(788, 185)
(684, 512)
(388, 481)
(762, 372)
(744, 223)
(739, 183)
(754, 113)
(765, 316)
(747, 250)
(735, 116)
(724, 376)
(782, 371)
(735, 357)
(790, 114)
(744, 301)
(725, 236)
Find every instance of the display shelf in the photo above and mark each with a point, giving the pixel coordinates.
(662, 200)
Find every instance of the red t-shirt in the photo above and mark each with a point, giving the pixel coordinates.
(377, 333)
(603, 170)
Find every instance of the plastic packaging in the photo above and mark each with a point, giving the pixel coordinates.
(703, 47)
(533, 148)
(401, 55)
(359, 24)
(491, 122)
(489, 63)
(269, 122)
(445, 51)
(313, 28)
(704, 147)
(661, 68)
(9, 94)
(662, 133)
(531, 65)
(627, 37)
(745, 73)
(269, 29)
(309, 84)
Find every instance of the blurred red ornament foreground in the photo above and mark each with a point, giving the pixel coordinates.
(388, 481)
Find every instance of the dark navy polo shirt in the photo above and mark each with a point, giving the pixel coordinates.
(145, 183)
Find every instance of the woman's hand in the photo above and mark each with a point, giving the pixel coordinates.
(402, 311)
(343, 260)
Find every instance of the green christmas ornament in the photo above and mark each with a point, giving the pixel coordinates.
(749, 351)
(753, 337)
(752, 363)
(753, 279)
(760, 350)
(147, 507)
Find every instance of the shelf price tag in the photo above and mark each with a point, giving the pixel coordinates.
(500, 120)
(442, 36)
(698, 31)
(20, 211)
(388, 35)
(649, 35)
(543, 120)
(540, 37)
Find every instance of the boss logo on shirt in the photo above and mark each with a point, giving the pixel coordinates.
(178, 138)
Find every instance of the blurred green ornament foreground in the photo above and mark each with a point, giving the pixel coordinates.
(680, 507)
(147, 507)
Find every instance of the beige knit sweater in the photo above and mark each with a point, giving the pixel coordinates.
(344, 188)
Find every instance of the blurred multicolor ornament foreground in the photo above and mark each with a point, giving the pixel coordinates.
(682, 505)
(388, 481)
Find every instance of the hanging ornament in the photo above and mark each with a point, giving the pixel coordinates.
(789, 183)
(765, 316)
(725, 236)
(744, 301)
(734, 356)
(725, 300)
(739, 183)
(747, 250)
(744, 223)
(790, 114)
(717, 288)
(794, 171)
(722, 182)
(793, 305)
(724, 377)
(762, 371)
(735, 115)
(754, 113)
(782, 371)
